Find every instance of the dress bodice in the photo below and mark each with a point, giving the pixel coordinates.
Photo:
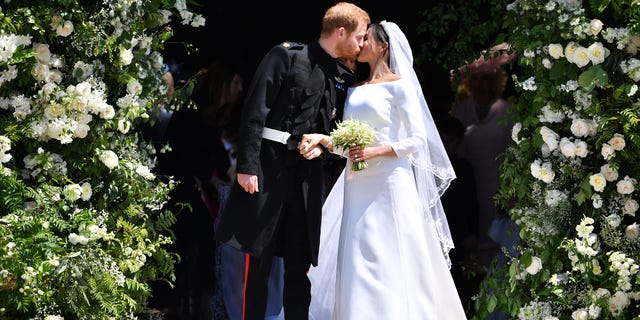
(392, 110)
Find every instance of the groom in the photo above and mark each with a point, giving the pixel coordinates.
(274, 207)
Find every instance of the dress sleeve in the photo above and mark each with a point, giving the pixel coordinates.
(413, 135)
(259, 100)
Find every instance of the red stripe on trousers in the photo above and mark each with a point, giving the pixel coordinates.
(244, 290)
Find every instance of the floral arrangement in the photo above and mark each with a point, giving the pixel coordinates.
(352, 133)
(570, 178)
(82, 224)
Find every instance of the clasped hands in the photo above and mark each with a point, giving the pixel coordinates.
(310, 147)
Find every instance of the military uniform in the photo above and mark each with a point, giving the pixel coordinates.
(296, 89)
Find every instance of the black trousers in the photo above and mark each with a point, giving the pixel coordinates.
(291, 241)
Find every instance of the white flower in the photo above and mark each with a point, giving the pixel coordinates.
(72, 192)
(515, 130)
(126, 56)
(610, 173)
(567, 148)
(43, 55)
(555, 50)
(595, 26)
(86, 191)
(108, 112)
(580, 127)
(550, 115)
(597, 200)
(569, 51)
(124, 125)
(607, 151)
(630, 207)
(51, 317)
(618, 302)
(546, 173)
(109, 158)
(530, 84)
(76, 238)
(581, 148)
(632, 231)
(597, 53)
(617, 142)
(64, 29)
(535, 266)
(145, 172)
(134, 87)
(549, 137)
(613, 220)
(598, 182)
(626, 185)
(535, 169)
(81, 130)
(581, 56)
(580, 314)
(547, 63)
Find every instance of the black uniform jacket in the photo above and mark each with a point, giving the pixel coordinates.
(298, 89)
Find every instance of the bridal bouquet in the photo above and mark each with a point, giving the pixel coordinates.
(353, 133)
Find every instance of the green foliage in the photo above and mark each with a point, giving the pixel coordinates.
(569, 179)
(83, 226)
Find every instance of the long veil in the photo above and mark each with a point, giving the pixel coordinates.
(433, 173)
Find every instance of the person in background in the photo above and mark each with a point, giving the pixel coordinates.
(484, 114)
(274, 206)
(197, 156)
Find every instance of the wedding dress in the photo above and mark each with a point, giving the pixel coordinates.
(390, 264)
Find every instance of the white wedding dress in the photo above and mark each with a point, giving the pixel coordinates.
(379, 257)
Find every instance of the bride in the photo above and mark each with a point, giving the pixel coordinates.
(385, 239)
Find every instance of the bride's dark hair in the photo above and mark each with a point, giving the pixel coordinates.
(377, 31)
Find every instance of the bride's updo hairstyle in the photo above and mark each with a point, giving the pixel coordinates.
(377, 31)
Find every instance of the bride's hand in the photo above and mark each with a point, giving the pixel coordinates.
(357, 154)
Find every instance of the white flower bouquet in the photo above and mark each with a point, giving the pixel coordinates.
(353, 133)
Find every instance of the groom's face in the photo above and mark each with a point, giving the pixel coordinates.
(349, 46)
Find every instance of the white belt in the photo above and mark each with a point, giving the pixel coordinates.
(275, 135)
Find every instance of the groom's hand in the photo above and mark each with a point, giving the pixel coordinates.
(248, 182)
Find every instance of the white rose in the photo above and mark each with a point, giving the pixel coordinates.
(596, 53)
(567, 148)
(581, 57)
(535, 266)
(632, 231)
(598, 182)
(630, 207)
(626, 186)
(535, 169)
(64, 29)
(126, 56)
(569, 51)
(546, 173)
(549, 137)
(124, 125)
(607, 151)
(617, 142)
(581, 148)
(72, 192)
(109, 158)
(618, 302)
(145, 172)
(555, 50)
(108, 112)
(81, 130)
(580, 314)
(86, 191)
(134, 87)
(75, 239)
(610, 173)
(595, 26)
(580, 127)
(83, 89)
